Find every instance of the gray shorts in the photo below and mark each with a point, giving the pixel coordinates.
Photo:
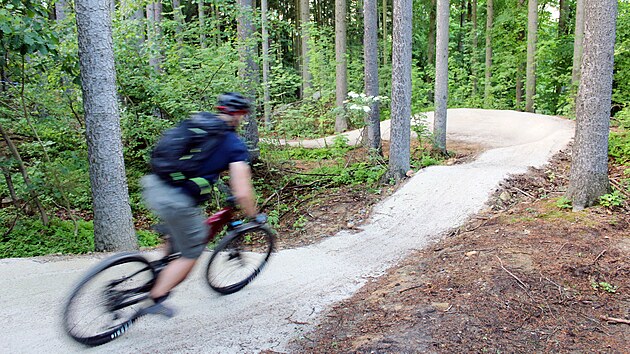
(185, 220)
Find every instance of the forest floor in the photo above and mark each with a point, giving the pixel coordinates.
(523, 275)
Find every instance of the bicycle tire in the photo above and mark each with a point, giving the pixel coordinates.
(119, 283)
(227, 271)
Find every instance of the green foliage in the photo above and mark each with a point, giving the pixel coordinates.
(621, 85)
(24, 27)
(564, 203)
(614, 199)
(619, 141)
(604, 286)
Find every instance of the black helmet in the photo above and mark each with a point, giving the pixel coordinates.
(233, 103)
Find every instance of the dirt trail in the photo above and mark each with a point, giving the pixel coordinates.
(300, 283)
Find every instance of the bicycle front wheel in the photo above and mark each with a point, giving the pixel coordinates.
(104, 303)
(239, 258)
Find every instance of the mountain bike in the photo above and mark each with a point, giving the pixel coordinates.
(106, 301)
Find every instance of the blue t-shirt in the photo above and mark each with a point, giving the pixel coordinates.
(231, 149)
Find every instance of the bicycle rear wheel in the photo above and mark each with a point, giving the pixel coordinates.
(239, 258)
(103, 305)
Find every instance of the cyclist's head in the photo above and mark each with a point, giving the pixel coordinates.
(233, 103)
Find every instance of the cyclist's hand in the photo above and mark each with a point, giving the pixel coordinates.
(261, 218)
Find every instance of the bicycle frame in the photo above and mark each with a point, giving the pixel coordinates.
(218, 220)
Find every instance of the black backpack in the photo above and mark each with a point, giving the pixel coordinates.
(181, 151)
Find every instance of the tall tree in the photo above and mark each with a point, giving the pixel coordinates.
(154, 19)
(475, 44)
(61, 10)
(370, 58)
(248, 73)
(385, 38)
(431, 33)
(488, 84)
(399, 153)
(265, 62)
(179, 20)
(578, 42)
(202, 23)
(341, 77)
(532, 39)
(521, 67)
(441, 75)
(589, 168)
(305, 19)
(113, 224)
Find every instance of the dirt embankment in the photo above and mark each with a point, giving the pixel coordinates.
(522, 276)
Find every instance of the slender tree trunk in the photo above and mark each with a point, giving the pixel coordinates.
(589, 168)
(113, 225)
(532, 38)
(431, 35)
(202, 23)
(370, 57)
(441, 76)
(10, 187)
(248, 74)
(475, 46)
(521, 67)
(154, 17)
(304, 22)
(488, 83)
(16, 155)
(341, 122)
(399, 154)
(61, 10)
(179, 19)
(265, 62)
(578, 42)
(385, 34)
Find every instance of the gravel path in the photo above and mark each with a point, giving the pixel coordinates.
(299, 284)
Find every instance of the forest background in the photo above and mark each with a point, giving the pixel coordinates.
(174, 58)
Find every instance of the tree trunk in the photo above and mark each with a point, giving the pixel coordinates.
(532, 38)
(578, 43)
(370, 57)
(341, 77)
(154, 17)
(431, 35)
(385, 39)
(202, 24)
(61, 10)
(399, 154)
(589, 167)
(16, 155)
(475, 45)
(10, 187)
(265, 62)
(521, 68)
(113, 225)
(304, 23)
(248, 73)
(441, 76)
(179, 19)
(488, 84)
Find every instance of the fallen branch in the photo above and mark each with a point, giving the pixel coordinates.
(619, 187)
(599, 256)
(520, 282)
(615, 320)
(524, 193)
(410, 288)
(561, 247)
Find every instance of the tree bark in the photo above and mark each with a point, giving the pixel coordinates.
(399, 154)
(589, 167)
(265, 62)
(61, 10)
(385, 39)
(475, 45)
(431, 35)
(341, 77)
(113, 225)
(370, 57)
(578, 42)
(304, 24)
(488, 84)
(532, 38)
(202, 24)
(154, 17)
(441, 76)
(248, 73)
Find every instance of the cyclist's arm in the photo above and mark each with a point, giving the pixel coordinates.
(241, 184)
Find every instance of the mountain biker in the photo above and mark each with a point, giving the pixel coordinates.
(178, 205)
